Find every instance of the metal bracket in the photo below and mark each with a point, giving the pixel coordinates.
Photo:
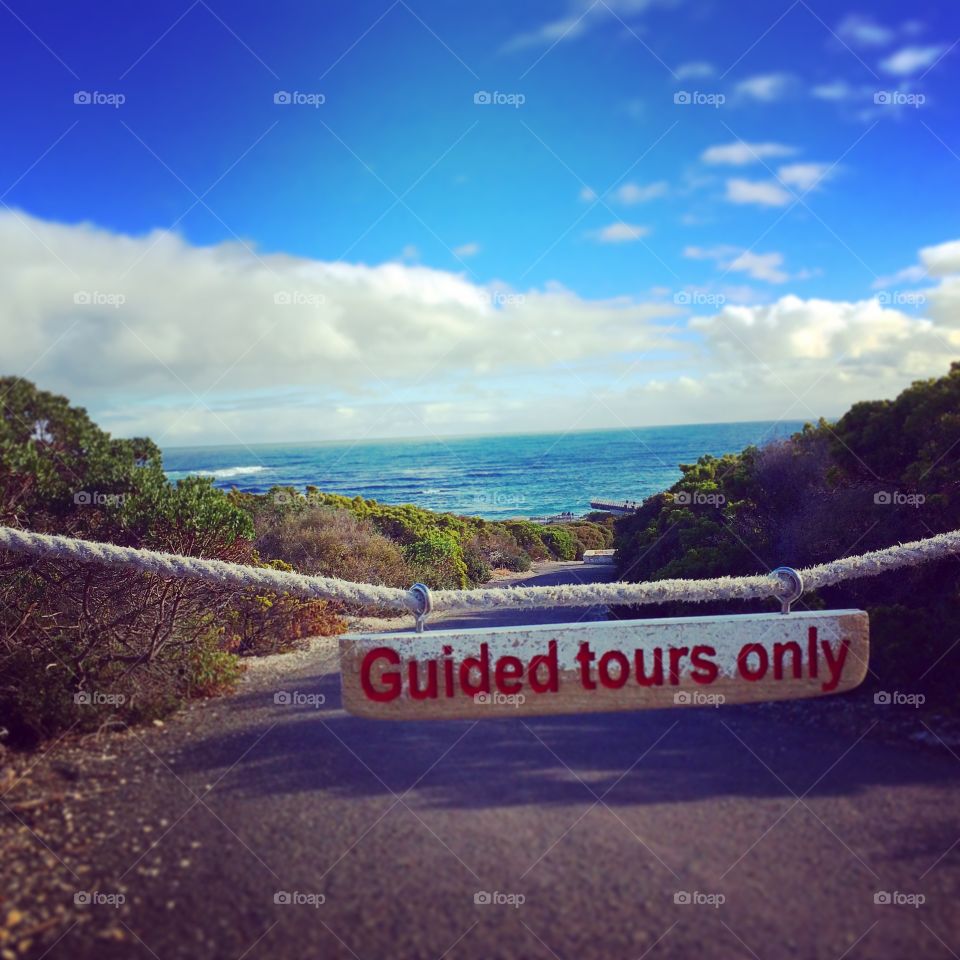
(793, 587)
(421, 596)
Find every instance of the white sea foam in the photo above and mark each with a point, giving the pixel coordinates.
(228, 471)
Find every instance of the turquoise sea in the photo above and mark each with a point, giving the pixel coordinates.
(493, 477)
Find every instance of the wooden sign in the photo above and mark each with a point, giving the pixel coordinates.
(611, 665)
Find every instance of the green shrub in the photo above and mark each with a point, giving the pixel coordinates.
(529, 536)
(332, 542)
(820, 495)
(561, 543)
(211, 670)
(83, 644)
(440, 558)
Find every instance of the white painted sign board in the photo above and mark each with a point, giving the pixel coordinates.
(611, 665)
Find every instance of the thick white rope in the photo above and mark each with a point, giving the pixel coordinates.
(696, 591)
(195, 568)
(574, 595)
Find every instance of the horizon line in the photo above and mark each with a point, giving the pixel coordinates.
(481, 436)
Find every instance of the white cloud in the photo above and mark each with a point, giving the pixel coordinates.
(911, 60)
(96, 315)
(767, 87)
(804, 176)
(621, 233)
(631, 193)
(221, 344)
(760, 266)
(565, 28)
(467, 250)
(709, 253)
(936, 262)
(588, 194)
(797, 331)
(908, 275)
(942, 259)
(837, 90)
(741, 153)
(581, 17)
(764, 193)
(694, 70)
(864, 31)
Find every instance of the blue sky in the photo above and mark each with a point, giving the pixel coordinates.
(664, 204)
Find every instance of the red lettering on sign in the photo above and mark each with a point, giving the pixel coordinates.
(508, 682)
(622, 675)
(704, 670)
(743, 665)
(656, 679)
(780, 650)
(549, 660)
(391, 677)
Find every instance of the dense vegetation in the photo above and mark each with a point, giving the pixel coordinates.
(364, 540)
(81, 645)
(886, 472)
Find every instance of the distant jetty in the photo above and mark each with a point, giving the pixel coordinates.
(620, 507)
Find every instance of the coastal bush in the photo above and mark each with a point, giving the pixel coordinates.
(561, 543)
(262, 623)
(590, 536)
(437, 544)
(331, 542)
(529, 536)
(438, 558)
(497, 550)
(885, 472)
(81, 644)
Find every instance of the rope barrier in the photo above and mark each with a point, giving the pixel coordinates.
(487, 598)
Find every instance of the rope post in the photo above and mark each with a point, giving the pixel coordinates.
(793, 587)
(423, 604)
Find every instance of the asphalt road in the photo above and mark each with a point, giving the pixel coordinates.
(584, 832)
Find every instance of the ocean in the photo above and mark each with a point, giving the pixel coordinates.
(492, 477)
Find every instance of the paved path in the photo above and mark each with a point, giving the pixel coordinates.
(598, 822)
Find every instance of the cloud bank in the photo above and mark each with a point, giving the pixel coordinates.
(225, 344)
